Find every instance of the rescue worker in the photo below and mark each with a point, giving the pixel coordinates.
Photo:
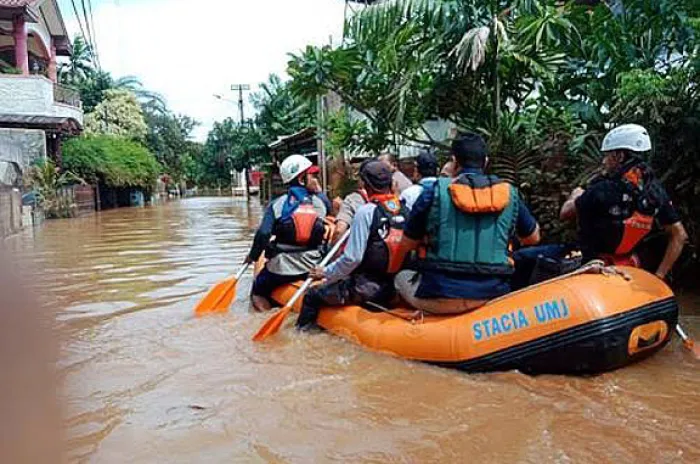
(399, 180)
(466, 224)
(618, 209)
(426, 173)
(296, 220)
(351, 203)
(365, 270)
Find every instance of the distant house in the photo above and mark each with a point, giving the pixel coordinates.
(36, 113)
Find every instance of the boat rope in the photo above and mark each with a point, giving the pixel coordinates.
(415, 317)
(595, 266)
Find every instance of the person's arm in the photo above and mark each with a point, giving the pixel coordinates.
(677, 237)
(326, 202)
(350, 205)
(262, 236)
(417, 223)
(568, 209)
(526, 227)
(340, 228)
(355, 249)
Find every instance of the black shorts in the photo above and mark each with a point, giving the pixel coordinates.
(266, 282)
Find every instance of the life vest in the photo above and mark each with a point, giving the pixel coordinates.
(304, 229)
(470, 223)
(385, 235)
(630, 213)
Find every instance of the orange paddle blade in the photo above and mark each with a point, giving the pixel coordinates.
(273, 324)
(219, 298)
(693, 347)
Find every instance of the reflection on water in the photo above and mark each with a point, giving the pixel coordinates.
(146, 382)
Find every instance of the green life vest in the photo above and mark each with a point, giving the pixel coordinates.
(470, 223)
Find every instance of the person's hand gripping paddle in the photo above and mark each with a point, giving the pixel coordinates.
(273, 324)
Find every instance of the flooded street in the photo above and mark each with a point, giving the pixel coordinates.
(144, 381)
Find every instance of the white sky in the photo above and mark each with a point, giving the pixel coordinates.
(188, 50)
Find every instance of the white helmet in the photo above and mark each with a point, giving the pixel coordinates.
(627, 137)
(293, 166)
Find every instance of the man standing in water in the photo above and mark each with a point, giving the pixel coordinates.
(351, 203)
(619, 208)
(399, 180)
(296, 219)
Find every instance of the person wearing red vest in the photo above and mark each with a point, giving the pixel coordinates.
(365, 270)
(619, 208)
(296, 220)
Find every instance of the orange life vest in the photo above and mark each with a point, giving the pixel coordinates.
(386, 232)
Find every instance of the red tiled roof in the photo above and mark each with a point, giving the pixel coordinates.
(16, 3)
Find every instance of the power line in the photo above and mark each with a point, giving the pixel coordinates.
(94, 34)
(82, 31)
(89, 31)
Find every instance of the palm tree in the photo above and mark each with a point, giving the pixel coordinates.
(150, 101)
(80, 67)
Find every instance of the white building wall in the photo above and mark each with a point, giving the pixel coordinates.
(22, 146)
(32, 96)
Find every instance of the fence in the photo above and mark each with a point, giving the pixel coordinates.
(10, 210)
(66, 95)
(76, 201)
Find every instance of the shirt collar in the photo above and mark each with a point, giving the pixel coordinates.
(471, 171)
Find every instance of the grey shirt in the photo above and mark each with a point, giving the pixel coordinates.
(400, 181)
(350, 205)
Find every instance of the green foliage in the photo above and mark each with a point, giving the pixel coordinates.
(230, 146)
(280, 112)
(115, 161)
(119, 114)
(169, 139)
(47, 181)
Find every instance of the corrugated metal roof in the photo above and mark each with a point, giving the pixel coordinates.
(17, 3)
(40, 122)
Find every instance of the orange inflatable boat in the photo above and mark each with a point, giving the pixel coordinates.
(580, 324)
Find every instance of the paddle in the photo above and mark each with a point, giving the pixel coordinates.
(688, 342)
(272, 325)
(219, 298)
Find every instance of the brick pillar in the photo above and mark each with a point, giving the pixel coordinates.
(53, 72)
(19, 32)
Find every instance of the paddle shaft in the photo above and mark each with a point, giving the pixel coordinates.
(240, 273)
(681, 333)
(307, 283)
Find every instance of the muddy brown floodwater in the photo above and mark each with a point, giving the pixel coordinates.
(144, 381)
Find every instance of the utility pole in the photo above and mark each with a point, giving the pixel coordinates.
(240, 88)
(320, 142)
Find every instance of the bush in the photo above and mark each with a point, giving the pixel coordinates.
(115, 161)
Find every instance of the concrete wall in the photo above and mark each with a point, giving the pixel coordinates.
(10, 211)
(33, 95)
(22, 146)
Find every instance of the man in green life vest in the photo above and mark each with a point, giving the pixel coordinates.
(465, 225)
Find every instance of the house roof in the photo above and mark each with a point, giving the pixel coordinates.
(54, 123)
(303, 136)
(17, 3)
(11, 8)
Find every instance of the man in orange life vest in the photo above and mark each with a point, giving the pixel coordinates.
(619, 208)
(466, 224)
(365, 270)
(296, 221)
